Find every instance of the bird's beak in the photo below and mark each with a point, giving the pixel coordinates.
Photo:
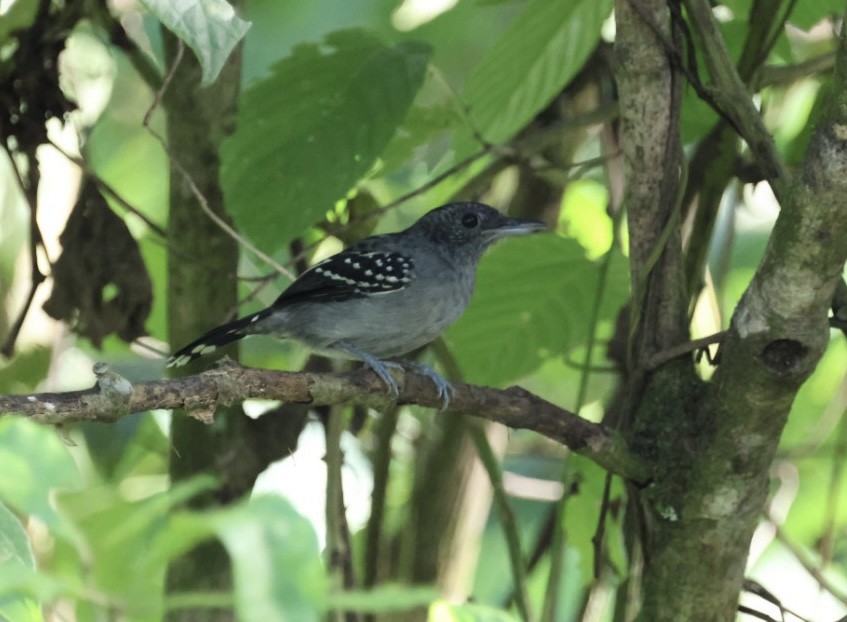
(517, 226)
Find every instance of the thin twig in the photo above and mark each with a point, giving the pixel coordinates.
(430, 184)
(493, 469)
(29, 189)
(690, 72)
(772, 75)
(836, 487)
(507, 520)
(757, 589)
(777, 31)
(89, 172)
(599, 538)
(336, 550)
(381, 461)
(733, 96)
(201, 199)
(665, 356)
(803, 558)
(558, 544)
(756, 614)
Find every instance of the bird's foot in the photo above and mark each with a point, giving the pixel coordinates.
(442, 385)
(380, 368)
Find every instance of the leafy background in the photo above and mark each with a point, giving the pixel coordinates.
(358, 102)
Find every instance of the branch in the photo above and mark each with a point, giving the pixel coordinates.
(732, 95)
(114, 397)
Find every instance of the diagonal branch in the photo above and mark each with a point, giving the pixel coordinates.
(731, 94)
(114, 397)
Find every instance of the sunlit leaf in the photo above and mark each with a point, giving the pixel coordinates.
(584, 216)
(532, 61)
(209, 27)
(445, 612)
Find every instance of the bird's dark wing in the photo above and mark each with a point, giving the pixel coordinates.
(352, 273)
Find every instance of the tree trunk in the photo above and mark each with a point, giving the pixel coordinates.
(712, 444)
(201, 293)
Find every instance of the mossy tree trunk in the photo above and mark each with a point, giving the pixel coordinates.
(713, 443)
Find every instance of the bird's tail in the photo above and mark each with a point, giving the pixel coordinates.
(215, 338)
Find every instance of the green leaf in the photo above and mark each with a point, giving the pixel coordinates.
(127, 544)
(17, 17)
(14, 543)
(533, 299)
(277, 567)
(584, 216)
(15, 609)
(445, 612)
(535, 58)
(314, 128)
(33, 463)
(15, 555)
(209, 27)
(26, 369)
(807, 14)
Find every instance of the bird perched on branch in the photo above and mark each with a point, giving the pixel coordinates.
(382, 297)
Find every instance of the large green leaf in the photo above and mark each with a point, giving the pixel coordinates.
(313, 129)
(532, 61)
(209, 27)
(533, 299)
(276, 563)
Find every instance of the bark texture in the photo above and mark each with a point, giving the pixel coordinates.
(712, 444)
(201, 293)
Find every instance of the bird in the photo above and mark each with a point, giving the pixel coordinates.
(383, 297)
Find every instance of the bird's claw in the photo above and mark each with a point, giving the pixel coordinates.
(442, 385)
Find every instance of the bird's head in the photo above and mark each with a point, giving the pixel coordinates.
(472, 227)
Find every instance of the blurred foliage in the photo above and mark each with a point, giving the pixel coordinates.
(340, 100)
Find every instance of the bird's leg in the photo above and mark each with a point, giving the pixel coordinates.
(380, 368)
(445, 389)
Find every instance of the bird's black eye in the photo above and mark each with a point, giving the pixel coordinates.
(470, 220)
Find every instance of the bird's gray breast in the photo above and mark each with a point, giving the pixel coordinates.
(389, 324)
